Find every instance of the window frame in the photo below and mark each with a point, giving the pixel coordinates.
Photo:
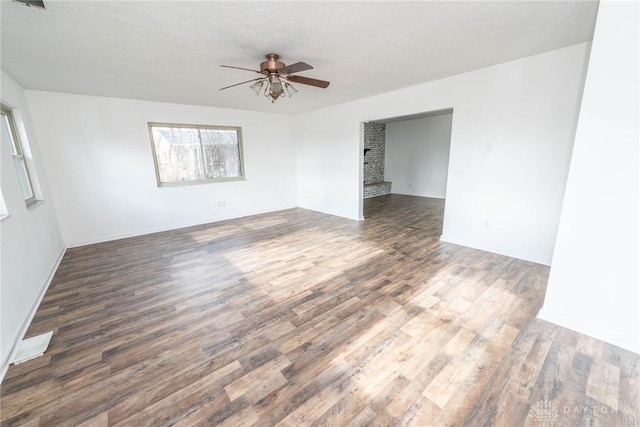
(17, 153)
(160, 183)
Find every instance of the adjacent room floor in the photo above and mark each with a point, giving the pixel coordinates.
(301, 318)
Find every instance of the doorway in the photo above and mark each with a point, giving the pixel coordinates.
(405, 161)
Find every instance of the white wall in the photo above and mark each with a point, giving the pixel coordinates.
(511, 139)
(31, 245)
(594, 286)
(417, 156)
(98, 157)
(329, 162)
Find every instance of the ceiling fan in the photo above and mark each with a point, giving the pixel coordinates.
(36, 3)
(276, 78)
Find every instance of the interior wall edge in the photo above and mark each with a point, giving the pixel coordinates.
(594, 281)
(32, 312)
(619, 340)
(510, 254)
(352, 218)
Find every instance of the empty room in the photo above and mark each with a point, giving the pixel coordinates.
(320, 213)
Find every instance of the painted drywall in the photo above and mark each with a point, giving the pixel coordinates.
(594, 285)
(329, 161)
(31, 245)
(417, 156)
(98, 157)
(511, 138)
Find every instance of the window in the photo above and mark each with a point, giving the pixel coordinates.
(10, 133)
(188, 154)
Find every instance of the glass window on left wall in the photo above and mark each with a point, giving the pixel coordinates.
(10, 134)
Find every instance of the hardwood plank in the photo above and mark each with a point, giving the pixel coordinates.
(175, 405)
(604, 383)
(253, 379)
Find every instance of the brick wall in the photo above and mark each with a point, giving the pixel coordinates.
(374, 136)
(374, 140)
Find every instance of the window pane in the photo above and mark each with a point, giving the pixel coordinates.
(221, 153)
(23, 177)
(8, 134)
(178, 154)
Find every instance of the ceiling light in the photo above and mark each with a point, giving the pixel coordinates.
(274, 89)
(290, 89)
(257, 86)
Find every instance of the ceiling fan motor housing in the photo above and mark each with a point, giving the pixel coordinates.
(271, 65)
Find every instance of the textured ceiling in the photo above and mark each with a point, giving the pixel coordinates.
(170, 51)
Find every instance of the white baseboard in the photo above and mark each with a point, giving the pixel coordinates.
(169, 228)
(520, 256)
(353, 218)
(593, 330)
(32, 312)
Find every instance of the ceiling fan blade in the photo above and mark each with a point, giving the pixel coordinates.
(241, 83)
(308, 81)
(295, 68)
(240, 68)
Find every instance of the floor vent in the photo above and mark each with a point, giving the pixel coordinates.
(31, 348)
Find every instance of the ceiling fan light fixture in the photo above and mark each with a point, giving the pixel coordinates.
(274, 88)
(257, 86)
(290, 89)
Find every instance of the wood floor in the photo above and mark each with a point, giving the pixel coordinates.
(299, 318)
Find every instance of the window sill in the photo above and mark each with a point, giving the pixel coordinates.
(200, 182)
(34, 204)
